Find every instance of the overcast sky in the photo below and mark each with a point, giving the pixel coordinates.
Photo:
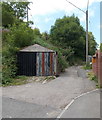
(45, 12)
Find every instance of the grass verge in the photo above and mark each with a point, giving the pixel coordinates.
(20, 80)
(93, 77)
(87, 67)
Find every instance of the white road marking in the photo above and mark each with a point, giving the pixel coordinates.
(59, 116)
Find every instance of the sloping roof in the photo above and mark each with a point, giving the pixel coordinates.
(36, 48)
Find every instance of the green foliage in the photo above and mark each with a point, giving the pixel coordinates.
(20, 9)
(92, 44)
(36, 32)
(87, 67)
(13, 12)
(19, 80)
(45, 36)
(49, 78)
(17, 38)
(8, 66)
(68, 33)
(21, 35)
(92, 76)
(101, 47)
(71, 36)
(67, 38)
(7, 15)
(62, 63)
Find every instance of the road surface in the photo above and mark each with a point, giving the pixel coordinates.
(45, 100)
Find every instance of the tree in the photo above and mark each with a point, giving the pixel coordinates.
(45, 35)
(101, 47)
(18, 37)
(7, 15)
(13, 12)
(92, 44)
(20, 9)
(67, 32)
(36, 32)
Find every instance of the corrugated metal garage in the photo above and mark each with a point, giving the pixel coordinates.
(36, 60)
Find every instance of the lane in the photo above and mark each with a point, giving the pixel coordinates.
(86, 106)
(55, 94)
(19, 109)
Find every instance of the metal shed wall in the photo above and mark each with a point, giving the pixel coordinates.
(26, 63)
(37, 63)
(46, 64)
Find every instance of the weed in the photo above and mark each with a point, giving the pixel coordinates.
(50, 78)
(92, 76)
(87, 67)
(19, 80)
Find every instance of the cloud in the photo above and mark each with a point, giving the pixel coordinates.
(43, 7)
(47, 19)
(42, 10)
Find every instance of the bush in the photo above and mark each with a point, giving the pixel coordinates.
(8, 65)
(9, 69)
(18, 37)
(92, 76)
(101, 47)
(87, 67)
(21, 35)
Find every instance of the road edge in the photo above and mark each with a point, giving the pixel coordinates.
(72, 101)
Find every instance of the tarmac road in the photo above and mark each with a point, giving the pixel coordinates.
(86, 106)
(50, 98)
(20, 109)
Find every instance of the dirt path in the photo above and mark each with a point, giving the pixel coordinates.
(56, 93)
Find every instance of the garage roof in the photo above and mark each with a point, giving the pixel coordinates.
(36, 48)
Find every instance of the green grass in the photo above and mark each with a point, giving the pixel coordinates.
(19, 80)
(92, 76)
(87, 67)
(48, 78)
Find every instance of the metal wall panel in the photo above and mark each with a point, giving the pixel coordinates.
(26, 63)
(53, 70)
(37, 64)
(51, 62)
(54, 64)
(45, 61)
(47, 64)
(43, 64)
(40, 64)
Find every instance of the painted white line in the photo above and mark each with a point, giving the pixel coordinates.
(85, 94)
(59, 116)
(65, 108)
